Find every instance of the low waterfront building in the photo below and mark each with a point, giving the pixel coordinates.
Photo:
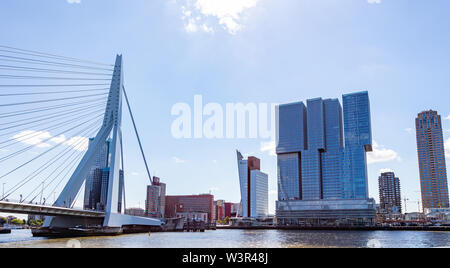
(138, 212)
(193, 216)
(190, 203)
(327, 212)
(438, 215)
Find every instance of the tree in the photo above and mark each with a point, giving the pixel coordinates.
(3, 220)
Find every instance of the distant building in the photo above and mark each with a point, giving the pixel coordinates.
(390, 193)
(231, 209)
(190, 203)
(138, 212)
(155, 204)
(254, 186)
(322, 162)
(432, 163)
(220, 209)
(96, 186)
(191, 216)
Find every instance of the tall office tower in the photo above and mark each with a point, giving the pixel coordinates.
(390, 196)
(321, 178)
(358, 141)
(93, 183)
(155, 204)
(291, 140)
(432, 164)
(254, 186)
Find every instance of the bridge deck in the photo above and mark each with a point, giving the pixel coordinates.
(20, 208)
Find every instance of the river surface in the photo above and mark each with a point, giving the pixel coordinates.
(239, 239)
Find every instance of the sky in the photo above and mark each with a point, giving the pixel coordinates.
(251, 51)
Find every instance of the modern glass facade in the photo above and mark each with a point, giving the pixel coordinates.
(289, 184)
(254, 187)
(93, 185)
(291, 133)
(358, 141)
(96, 186)
(259, 194)
(321, 150)
(432, 163)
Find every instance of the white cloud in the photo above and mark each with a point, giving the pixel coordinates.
(74, 1)
(269, 147)
(78, 143)
(447, 118)
(205, 14)
(447, 148)
(374, 1)
(409, 130)
(381, 154)
(178, 160)
(31, 137)
(43, 139)
(135, 174)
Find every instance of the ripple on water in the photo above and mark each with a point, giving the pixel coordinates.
(239, 239)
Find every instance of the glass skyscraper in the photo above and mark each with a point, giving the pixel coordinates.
(254, 186)
(97, 182)
(432, 163)
(358, 141)
(322, 163)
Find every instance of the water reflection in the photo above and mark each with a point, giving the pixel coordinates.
(241, 239)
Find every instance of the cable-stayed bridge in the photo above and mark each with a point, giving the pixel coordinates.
(61, 138)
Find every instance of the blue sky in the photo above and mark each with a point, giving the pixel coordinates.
(269, 51)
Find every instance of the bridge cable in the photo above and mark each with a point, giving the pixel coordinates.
(79, 143)
(28, 135)
(41, 70)
(58, 124)
(42, 62)
(52, 100)
(50, 92)
(48, 108)
(42, 168)
(3, 159)
(69, 85)
(43, 54)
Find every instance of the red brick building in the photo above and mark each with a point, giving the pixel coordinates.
(190, 203)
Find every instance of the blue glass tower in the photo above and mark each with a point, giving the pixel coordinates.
(291, 141)
(358, 141)
(322, 163)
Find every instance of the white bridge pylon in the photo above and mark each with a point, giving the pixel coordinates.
(112, 126)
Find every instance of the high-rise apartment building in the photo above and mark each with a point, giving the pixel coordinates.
(390, 193)
(432, 163)
(322, 164)
(155, 204)
(254, 186)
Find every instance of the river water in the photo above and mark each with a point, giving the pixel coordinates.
(239, 239)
